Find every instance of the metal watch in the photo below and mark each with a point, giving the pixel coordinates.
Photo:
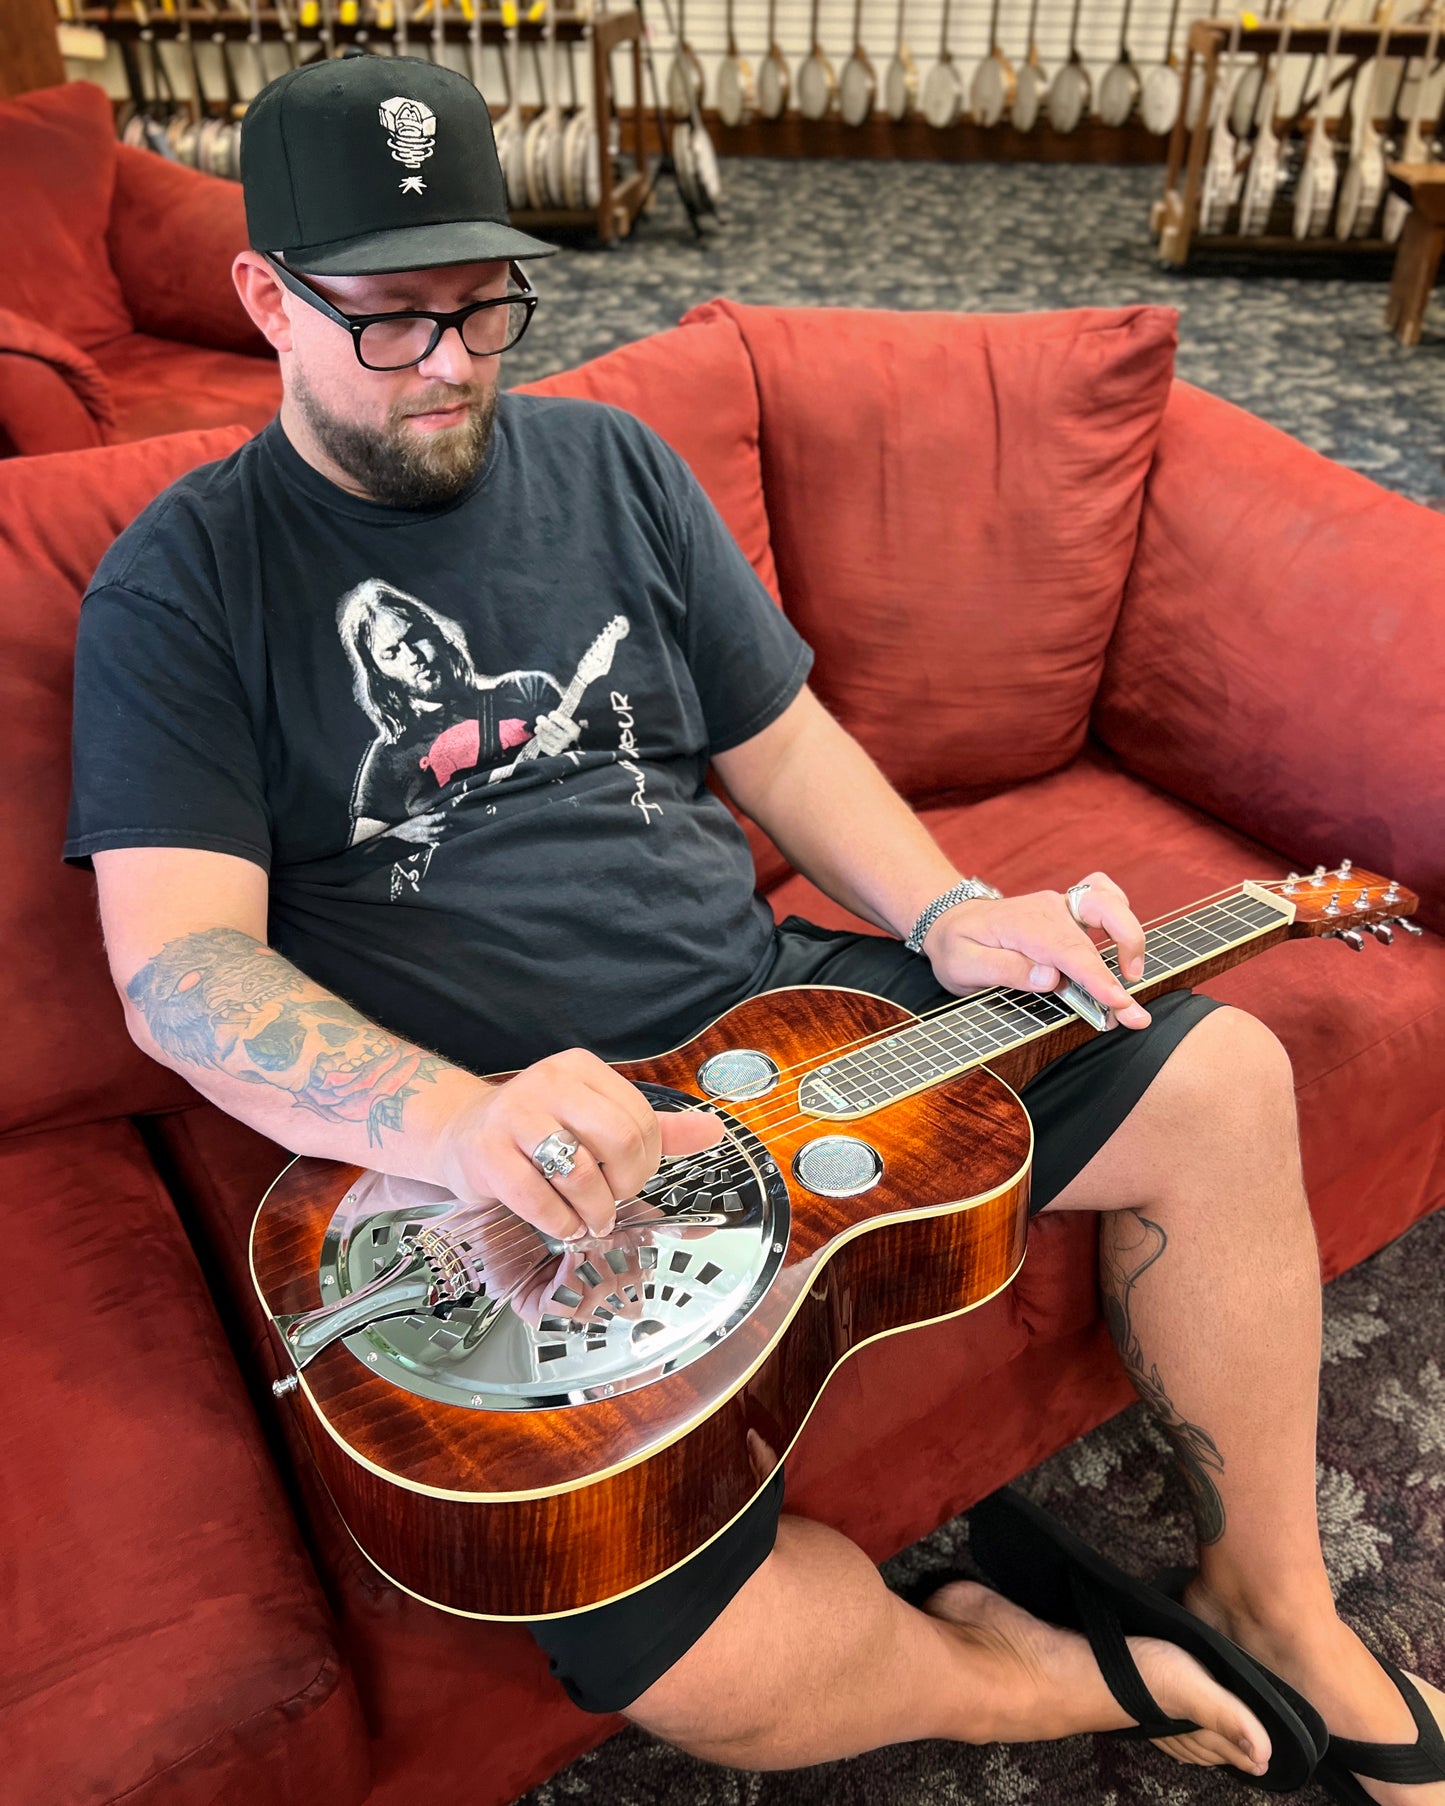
(970, 887)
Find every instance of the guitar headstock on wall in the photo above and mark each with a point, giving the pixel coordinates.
(1345, 904)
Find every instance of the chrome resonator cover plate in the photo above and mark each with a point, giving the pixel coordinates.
(615, 1314)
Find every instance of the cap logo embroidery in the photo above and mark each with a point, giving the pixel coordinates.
(412, 127)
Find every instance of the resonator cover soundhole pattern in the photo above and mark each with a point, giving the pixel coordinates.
(588, 1323)
(738, 1074)
(837, 1166)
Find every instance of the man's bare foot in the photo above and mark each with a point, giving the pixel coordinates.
(1066, 1693)
(1336, 1673)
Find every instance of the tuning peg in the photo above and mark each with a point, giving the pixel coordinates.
(1289, 884)
(1352, 938)
(1382, 932)
(1392, 895)
(1408, 926)
(1344, 870)
(1363, 900)
(1332, 908)
(1318, 875)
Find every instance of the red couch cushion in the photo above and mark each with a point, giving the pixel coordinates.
(173, 235)
(693, 386)
(1366, 1033)
(165, 1637)
(66, 1057)
(954, 500)
(1280, 655)
(161, 386)
(57, 165)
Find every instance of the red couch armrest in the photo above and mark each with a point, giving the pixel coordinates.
(172, 236)
(1279, 659)
(52, 396)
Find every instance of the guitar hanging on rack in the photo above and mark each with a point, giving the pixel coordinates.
(1319, 175)
(1119, 90)
(1262, 179)
(991, 93)
(858, 85)
(943, 86)
(737, 99)
(1071, 93)
(1364, 182)
(900, 83)
(1220, 187)
(774, 80)
(1032, 87)
(512, 1427)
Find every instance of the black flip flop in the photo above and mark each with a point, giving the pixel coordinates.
(1037, 1562)
(1412, 1764)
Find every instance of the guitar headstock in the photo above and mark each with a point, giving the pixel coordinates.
(1346, 903)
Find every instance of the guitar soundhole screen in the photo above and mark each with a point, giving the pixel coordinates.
(690, 1257)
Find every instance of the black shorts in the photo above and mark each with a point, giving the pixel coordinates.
(607, 1657)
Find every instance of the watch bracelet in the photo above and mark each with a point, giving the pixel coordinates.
(959, 893)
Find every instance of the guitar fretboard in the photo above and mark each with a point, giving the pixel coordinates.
(957, 1037)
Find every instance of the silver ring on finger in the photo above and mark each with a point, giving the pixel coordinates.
(1071, 898)
(555, 1155)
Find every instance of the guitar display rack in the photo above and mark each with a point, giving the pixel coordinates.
(620, 201)
(1175, 219)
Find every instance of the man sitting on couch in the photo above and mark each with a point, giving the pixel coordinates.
(391, 731)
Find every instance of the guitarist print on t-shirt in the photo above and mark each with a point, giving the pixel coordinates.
(442, 727)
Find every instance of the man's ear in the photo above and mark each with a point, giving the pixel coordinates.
(261, 296)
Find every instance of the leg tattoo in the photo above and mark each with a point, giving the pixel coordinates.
(1122, 1263)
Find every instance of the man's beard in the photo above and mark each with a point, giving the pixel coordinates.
(394, 464)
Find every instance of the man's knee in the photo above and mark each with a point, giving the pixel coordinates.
(700, 1704)
(1232, 1084)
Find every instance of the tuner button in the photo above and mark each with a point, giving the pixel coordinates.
(1383, 932)
(1409, 927)
(1353, 939)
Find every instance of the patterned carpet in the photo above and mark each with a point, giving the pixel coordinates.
(1303, 347)
(1382, 1513)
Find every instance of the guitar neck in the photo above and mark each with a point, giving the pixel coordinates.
(1017, 1032)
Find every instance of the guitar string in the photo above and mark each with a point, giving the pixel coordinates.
(739, 1163)
(963, 1004)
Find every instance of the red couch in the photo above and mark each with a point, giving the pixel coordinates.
(118, 317)
(1084, 615)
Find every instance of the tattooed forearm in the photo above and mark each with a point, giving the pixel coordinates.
(224, 1000)
(1124, 1257)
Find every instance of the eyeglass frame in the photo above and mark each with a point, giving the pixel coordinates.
(356, 324)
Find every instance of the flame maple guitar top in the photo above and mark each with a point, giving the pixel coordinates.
(534, 1512)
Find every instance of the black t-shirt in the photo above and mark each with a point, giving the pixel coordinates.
(468, 744)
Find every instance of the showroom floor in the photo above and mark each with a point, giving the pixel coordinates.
(1305, 350)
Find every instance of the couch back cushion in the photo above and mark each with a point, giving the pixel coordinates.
(65, 1056)
(694, 387)
(954, 501)
(57, 165)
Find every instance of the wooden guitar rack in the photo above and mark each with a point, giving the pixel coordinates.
(1175, 218)
(619, 203)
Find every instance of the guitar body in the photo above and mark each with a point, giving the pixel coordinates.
(554, 1507)
(514, 1427)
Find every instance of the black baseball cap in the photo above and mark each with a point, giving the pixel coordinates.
(359, 165)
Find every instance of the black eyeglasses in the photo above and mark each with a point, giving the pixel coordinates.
(394, 341)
